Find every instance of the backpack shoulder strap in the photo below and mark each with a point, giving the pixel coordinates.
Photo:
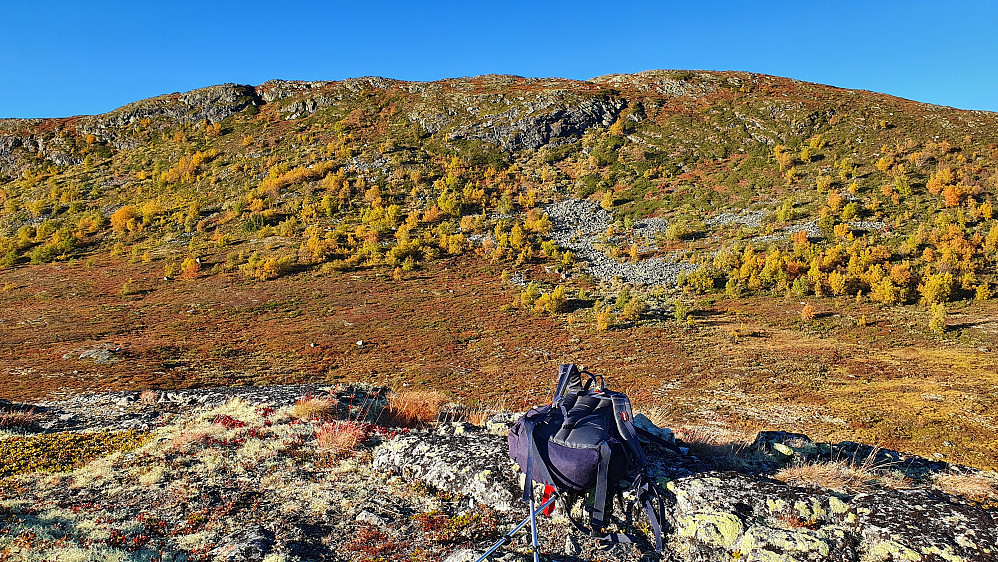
(535, 463)
(624, 417)
(594, 378)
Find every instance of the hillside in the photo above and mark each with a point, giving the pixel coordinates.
(739, 249)
(296, 473)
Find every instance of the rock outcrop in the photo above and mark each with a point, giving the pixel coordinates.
(475, 464)
(22, 140)
(548, 117)
(213, 104)
(729, 515)
(242, 457)
(721, 516)
(519, 114)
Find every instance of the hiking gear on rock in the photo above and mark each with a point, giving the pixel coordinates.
(586, 440)
(548, 503)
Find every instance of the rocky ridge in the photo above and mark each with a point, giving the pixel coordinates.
(558, 109)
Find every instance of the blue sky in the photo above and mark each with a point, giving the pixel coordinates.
(63, 58)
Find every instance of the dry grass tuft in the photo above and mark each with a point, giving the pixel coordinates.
(310, 407)
(479, 413)
(716, 443)
(973, 486)
(19, 420)
(834, 475)
(149, 397)
(415, 407)
(845, 476)
(340, 436)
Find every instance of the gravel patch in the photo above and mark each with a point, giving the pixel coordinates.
(576, 224)
(811, 228)
(650, 227)
(750, 219)
(654, 271)
(868, 225)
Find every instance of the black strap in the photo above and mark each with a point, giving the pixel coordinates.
(658, 440)
(599, 504)
(594, 379)
(533, 458)
(566, 374)
(607, 539)
(649, 495)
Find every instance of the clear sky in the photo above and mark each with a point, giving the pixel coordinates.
(61, 58)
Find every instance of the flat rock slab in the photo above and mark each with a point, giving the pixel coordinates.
(476, 465)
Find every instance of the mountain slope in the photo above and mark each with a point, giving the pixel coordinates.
(795, 243)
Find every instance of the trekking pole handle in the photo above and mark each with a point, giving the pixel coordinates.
(522, 524)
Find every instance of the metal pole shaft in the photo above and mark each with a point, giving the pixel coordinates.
(526, 520)
(533, 526)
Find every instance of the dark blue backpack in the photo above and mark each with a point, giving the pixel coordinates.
(586, 440)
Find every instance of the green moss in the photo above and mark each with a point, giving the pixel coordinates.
(65, 451)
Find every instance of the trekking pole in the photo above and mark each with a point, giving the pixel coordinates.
(533, 527)
(530, 518)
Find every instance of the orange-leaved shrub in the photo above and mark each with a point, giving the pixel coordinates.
(807, 313)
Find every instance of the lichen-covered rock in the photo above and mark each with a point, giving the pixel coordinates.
(786, 446)
(734, 516)
(244, 545)
(896, 523)
(473, 464)
(499, 424)
(721, 516)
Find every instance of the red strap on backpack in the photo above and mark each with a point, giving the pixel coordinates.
(548, 490)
